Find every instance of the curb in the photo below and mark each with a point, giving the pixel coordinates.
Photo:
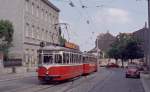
(145, 86)
(15, 77)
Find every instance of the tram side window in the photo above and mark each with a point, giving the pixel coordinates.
(83, 59)
(80, 59)
(72, 58)
(58, 59)
(75, 58)
(48, 59)
(65, 58)
(39, 59)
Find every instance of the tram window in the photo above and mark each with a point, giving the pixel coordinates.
(65, 58)
(80, 59)
(71, 58)
(48, 59)
(74, 61)
(39, 59)
(58, 59)
(83, 59)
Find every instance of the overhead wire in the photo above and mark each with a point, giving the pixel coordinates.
(89, 21)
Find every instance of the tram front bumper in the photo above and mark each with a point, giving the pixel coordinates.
(49, 77)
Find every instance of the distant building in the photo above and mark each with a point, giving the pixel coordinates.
(103, 43)
(143, 35)
(33, 22)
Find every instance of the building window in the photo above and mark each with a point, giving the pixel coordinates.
(42, 13)
(32, 31)
(38, 33)
(37, 11)
(27, 5)
(42, 34)
(46, 16)
(32, 8)
(27, 30)
(46, 36)
(49, 18)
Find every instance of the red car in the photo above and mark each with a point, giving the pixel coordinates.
(132, 71)
(112, 65)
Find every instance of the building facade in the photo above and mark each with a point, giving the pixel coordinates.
(103, 43)
(143, 35)
(34, 21)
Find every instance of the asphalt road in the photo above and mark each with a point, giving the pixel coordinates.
(105, 80)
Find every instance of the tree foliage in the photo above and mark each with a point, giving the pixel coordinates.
(6, 35)
(125, 47)
(62, 40)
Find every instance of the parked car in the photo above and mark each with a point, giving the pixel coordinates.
(132, 71)
(112, 65)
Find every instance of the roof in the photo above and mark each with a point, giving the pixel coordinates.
(51, 5)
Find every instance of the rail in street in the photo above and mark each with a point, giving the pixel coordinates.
(105, 80)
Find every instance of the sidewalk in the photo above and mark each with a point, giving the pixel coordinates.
(145, 78)
(14, 76)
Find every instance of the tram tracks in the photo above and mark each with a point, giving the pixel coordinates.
(88, 80)
(41, 88)
(63, 87)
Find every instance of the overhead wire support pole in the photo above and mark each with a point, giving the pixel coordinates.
(148, 47)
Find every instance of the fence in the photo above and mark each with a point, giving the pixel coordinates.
(12, 63)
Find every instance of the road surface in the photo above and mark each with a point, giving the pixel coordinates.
(105, 80)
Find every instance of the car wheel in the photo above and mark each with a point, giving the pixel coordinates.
(138, 76)
(127, 76)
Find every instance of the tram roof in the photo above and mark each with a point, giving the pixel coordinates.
(89, 54)
(59, 48)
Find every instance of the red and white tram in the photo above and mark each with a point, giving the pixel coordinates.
(89, 63)
(59, 63)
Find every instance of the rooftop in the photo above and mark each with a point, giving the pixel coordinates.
(51, 5)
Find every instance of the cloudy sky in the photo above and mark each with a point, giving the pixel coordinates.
(100, 16)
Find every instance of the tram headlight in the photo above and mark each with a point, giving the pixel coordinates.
(47, 72)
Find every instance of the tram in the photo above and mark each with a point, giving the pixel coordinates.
(58, 63)
(89, 63)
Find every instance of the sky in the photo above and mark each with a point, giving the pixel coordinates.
(100, 16)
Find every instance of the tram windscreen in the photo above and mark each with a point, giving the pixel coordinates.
(48, 60)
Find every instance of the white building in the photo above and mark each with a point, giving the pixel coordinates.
(33, 22)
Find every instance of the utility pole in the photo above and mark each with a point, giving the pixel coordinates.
(148, 13)
(148, 38)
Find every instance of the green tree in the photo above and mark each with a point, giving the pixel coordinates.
(6, 35)
(133, 49)
(113, 52)
(125, 47)
(62, 40)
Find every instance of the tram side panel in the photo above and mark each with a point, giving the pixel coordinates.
(59, 72)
